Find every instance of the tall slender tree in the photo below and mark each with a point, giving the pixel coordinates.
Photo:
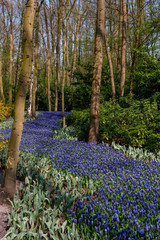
(97, 72)
(1, 83)
(48, 60)
(123, 55)
(63, 69)
(57, 80)
(110, 66)
(11, 55)
(34, 89)
(17, 128)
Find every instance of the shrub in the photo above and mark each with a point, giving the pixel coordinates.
(137, 123)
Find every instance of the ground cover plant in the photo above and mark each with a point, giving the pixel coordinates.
(76, 190)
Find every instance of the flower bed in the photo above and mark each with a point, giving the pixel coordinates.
(114, 197)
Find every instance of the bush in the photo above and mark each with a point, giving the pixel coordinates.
(80, 120)
(136, 124)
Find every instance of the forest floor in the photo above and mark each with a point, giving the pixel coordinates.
(5, 205)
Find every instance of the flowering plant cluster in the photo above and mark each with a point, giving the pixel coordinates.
(5, 111)
(122, 196)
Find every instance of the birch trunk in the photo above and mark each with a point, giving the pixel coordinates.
(29, 108)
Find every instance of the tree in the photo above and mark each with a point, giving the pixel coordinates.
(123, 55)
(34, 89)
(63, 69)
(57, 80)
(11, 55)
(96, 81)
(17, 128)
(48, 60)
(1, 84)
(110, 67)
(75, 40)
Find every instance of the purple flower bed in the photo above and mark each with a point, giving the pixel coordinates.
(127, 202)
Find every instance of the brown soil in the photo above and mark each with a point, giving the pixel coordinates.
(5, 205)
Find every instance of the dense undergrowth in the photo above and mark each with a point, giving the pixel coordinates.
(76, 190)
(130, 123)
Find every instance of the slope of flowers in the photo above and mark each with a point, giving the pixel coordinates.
(126, 202)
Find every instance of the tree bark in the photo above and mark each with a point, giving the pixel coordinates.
(110, 66)
(17, 128)
(96, 81)
(123, 57)
(48, 61)
(34, 90)
(1, 84)
(63, 70)
(119, 48)
(11, 55)
(67, 57)
(19, 51)
(29, 108)
(58, 80)
(137, 41)
(75, 41)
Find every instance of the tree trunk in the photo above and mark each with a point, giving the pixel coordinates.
(137, 40)
(19, 51)
(17, 128)
(63, 70)
(11, 56)
(96, 81)
(53, 48)
(36, 66)
(75, 41)
(123, 57)
(110, 66)
(58, 80)
(1, 84)
(119, 50)
(67, 51)
(48, 61)
(29, 108)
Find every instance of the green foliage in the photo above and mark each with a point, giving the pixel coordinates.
(134, 123)
(45, 194)
(146, 76)
(79, 120)
(137, 153)
(65, 133)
